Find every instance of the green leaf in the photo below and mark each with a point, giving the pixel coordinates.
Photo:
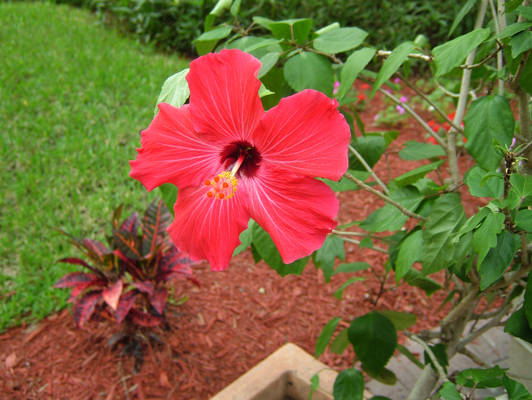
(515, 390)
(489, 121)
(497, 260)
(410, 251)
(340, 342)
(325, 336)
(370, 147)
(440, 353)
(207, 40)
(340, 291)
(527, 305)
(339, 40)
(220, 7)
(427, 187)
(416, 174)
(354, 64)
(525, 81)
(461, 14)
(453, 53)
(517, 325)
(521, 184)
(349, 385)
(485, 237)
(351, 267)
(408, 354)
(246, 237)
(169, 195)
(446, 216)
(268, 62)
(401, 320)
(390, 218)
(521, 42)
(324, 257)
(523, 220)
(174, 91)
(484, 184)
(266, 249)
(525, 11)
(472, 223)
(374, 339)
(383, 376)
(284, 29)
(419, 151)
(449, 392)
(481, 378)
(235, 8)
(416, 278)
(309, 71)
(314, 384)
(391, 64)
(344, 183)
(512, 29)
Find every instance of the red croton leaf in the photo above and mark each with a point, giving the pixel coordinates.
(96, 250)
(111, 294)
(79, 261)
(127, 300)
(74, 279)
(131, 224)
(145, 287)
(175, 264)
(85, 306)
(142, 318)
(158, 300)
(154, 227)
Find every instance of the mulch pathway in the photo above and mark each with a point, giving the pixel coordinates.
(234, 320)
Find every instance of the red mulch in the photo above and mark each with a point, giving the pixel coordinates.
(234, 320)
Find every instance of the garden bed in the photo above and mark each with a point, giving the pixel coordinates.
(234, 320)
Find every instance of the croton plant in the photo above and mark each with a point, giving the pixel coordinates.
(129, 276)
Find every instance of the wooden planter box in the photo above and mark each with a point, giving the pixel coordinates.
(284, 375)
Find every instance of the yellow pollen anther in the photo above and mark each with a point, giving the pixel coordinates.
(223, 186)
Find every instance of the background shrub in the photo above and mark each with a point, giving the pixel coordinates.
(174, 24)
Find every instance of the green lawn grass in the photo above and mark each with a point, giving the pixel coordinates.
(73, 97)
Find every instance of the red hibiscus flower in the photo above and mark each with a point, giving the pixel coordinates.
(233, 161)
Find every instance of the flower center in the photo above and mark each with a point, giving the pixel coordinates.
(224, 185)
(251, 158)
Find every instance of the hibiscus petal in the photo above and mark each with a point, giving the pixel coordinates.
(306, 134)
(206, 227)
(224, 100)
(297, 211)
(172, 153)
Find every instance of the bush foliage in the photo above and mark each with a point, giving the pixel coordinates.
(174, 24)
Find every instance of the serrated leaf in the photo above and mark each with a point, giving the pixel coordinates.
(351, 267)
(340, 291)
(354, 64)
(308, 70)
(497, 260)
(461, 14)
(453, 53)
(416, 174)
(520, 43)
(339, 40)
(340, 342)
(521, 184)
(391, 64)
(175, 90)
(484, 184)
(299, 28)
(325, 336)
(266, 249)
(374, 339)
(419, 151)
(446, 216)
(489, 121)
(349, 385)
(410, 251)
(517, 325)
(485, 236)
(324, 257)
(480, 378)
(401, 320)
(449, 392)
(389, 217)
